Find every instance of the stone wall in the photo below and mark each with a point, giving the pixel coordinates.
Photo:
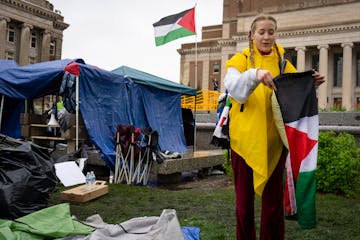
(340, 118)
(329, 121)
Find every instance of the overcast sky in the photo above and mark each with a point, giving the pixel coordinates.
(112, 33)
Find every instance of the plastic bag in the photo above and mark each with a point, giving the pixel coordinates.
(27, 177)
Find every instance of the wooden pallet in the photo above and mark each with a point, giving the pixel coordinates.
(83, 194)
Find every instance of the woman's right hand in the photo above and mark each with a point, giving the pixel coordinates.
(318, 78)
(266, 78)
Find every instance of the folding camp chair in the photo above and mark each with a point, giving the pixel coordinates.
(121, 168)
(127, 150)
(149, 143)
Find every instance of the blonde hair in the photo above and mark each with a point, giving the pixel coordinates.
(252, 31)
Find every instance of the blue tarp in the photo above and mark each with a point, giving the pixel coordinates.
(191, 233)
(27, 82)
(107, 99)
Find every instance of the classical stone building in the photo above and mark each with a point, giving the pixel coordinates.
(30, 31)
(316, 34)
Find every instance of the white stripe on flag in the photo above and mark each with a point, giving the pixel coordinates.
(222, 121)
(308, 125)
(165, 29)
(310, 161)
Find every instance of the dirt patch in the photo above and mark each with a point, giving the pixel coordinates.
(211, 181)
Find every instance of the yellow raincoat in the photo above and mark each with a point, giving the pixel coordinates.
(253, 134)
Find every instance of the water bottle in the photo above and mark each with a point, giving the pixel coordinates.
(93, 178)
(88, 181)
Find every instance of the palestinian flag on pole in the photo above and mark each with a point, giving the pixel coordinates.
(299, 128)
(175, 26)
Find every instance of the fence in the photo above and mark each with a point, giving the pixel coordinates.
(206, 100)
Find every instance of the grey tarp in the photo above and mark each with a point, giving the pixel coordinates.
(165, 227)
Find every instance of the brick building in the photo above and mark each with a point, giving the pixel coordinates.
(30, 31)
(320, 34)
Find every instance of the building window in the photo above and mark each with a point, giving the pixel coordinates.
(33, 40)
(357, 102)
(337, 103)
(52, 48)
(10, 56)
(11, 34)
(358, 69)
(315, 62)
(32, 60)
(216, 68)
(338, 69)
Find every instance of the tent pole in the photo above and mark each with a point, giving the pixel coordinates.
(77, 114)
(2, 108)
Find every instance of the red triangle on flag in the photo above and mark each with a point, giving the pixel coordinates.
(188, 20)
(299, 146)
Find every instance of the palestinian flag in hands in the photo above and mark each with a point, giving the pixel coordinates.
(175, 26)
(296, 113)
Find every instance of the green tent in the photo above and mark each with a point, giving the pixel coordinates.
(51, 222)
(148, 79)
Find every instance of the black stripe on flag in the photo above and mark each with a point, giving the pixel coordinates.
(170, 19)
(296, 95)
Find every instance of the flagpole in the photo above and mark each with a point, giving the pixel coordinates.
(196, 81)
(184, 20)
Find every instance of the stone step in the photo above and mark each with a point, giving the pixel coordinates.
(193, 161)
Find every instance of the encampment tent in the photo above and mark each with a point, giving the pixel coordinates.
(107, 99)
(150, 80)
(18, 83)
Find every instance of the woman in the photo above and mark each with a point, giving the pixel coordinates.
(257, 153)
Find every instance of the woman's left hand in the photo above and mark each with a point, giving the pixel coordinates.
(318, 78)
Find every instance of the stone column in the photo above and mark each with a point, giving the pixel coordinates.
(45, 46)
(3, 34)
(348, 101)
(186, 73)
(323, 93)
(205, 74)
(58, 48)
(24, 44)
(224, 58)
(300, 65)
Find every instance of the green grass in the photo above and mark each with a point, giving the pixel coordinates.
(213, 210)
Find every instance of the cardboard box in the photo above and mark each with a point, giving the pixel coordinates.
(83, 194)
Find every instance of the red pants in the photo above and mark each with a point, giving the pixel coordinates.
(272, 210)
